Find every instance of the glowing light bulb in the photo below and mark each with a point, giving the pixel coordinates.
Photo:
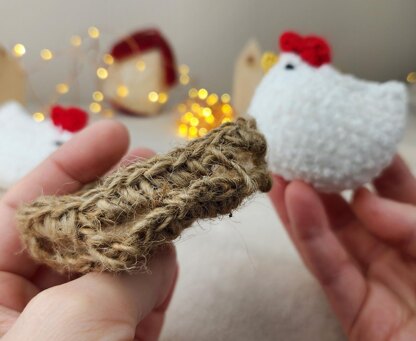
(102, 73)
(202, 93)
(212, 99)
(122, 91)
(94, 32)
(225, 98)
(194, 122)
(46, 54)
(184, 79)
(226, 109)
(76, 41)
(95, 108)
(62, 88)
(140, 65)
(38, 116)
(196, 108)
(183, 130)
(187, 117)
(206, 112)
(108, 59)
(210, 119)
(163, 97)
(193, 132)
(184, 69)
(411, 77)
(97, 96)
(19, 50)
(193, 93)
(202, 132)
(153, 96)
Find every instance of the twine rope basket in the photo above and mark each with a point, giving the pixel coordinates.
(115, 225)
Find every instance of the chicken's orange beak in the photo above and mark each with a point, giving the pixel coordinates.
(268, 59)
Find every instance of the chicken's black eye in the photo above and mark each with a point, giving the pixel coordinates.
(289, 67)
(58, 143)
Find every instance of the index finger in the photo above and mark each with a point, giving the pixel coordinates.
(325, 256)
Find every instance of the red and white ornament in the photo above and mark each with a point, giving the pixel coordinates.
(142, 74)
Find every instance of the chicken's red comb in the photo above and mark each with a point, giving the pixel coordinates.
(71, 119)
(312, 49)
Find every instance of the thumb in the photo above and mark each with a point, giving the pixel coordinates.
(101, 306)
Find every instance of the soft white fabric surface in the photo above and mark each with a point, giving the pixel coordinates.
(24, 143)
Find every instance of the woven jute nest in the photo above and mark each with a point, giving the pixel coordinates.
(116, 225)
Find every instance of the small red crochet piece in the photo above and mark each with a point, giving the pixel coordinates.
(312, 49)
(71, 119)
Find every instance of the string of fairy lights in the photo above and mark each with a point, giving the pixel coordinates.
(101, 64)
(203, 111)
(200, 112)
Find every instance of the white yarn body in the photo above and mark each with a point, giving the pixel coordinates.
(331, 130)
(24, 143)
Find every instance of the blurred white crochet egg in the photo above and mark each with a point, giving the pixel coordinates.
(329, 129)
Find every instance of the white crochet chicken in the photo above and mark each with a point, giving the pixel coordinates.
(329, 129)
(24, 143)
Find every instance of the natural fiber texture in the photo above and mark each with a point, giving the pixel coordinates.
(116, 225)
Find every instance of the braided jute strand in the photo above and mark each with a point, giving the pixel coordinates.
(116, 225)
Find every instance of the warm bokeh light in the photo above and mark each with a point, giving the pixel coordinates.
(102, 73)
(108, 59)
(62, 88)
(122, 91)
(411, 77)
(38, 116)
(97, 96)
(163, 97)
(183, 69)
(184, 79)
(94, 32)
(212, 99)
(19, 50)
(203, 112)
(193, 93)
(76, 41)
(95, 108)
(202, 93)
(46, 54)
(153, 96)
(140, 65)
(225, 98)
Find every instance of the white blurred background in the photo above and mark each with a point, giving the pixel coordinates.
(373, 39)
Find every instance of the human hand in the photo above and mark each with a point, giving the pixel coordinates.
(36, 303)
(363, 254)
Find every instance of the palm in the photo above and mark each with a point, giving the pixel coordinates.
(363, 253)
(82, 160)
